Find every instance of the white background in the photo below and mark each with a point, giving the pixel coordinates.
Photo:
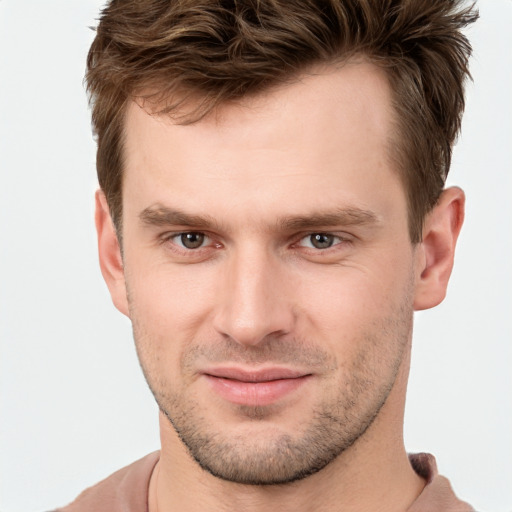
(74, 405)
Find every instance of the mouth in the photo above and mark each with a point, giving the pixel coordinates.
(254, 388)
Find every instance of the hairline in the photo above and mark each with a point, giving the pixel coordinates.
(396, 145)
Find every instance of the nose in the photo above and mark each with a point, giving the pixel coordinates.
(252, 302)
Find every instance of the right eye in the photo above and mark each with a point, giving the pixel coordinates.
(190, 240)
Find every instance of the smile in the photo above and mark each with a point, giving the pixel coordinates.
(254, 388)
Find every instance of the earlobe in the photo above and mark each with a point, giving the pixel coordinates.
(111, 262)
(437, 249)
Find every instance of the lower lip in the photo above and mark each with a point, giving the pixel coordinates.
(254, 393)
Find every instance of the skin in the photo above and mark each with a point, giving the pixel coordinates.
(258, 178)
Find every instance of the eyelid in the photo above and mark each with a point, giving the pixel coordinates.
(170, 236)
(342, 238)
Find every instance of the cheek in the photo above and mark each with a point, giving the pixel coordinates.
(353, 310)
(170, 295)
(365, 326)
(344, 296)
(169, 309)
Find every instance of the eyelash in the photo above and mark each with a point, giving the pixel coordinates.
(340, 240)
(170, 237)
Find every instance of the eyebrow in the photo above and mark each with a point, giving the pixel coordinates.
(163, 216)
(159, 215)
(339, 217)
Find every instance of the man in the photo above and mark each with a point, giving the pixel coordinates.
(271, 213)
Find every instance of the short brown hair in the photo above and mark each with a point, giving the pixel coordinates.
(220, 50)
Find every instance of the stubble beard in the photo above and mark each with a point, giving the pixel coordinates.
(274, 456)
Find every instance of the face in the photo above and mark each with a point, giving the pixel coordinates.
(269, 272)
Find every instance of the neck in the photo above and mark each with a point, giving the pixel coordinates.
(373, 474)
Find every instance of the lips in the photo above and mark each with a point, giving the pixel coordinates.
(254, 388)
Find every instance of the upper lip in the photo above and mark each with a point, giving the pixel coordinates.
(260, 375)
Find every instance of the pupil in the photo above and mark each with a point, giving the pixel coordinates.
(192, 240)
(321, 240)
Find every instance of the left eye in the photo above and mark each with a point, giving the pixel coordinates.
(320, 241)
(191, 240)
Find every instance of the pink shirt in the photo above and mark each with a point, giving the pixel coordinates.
(127, 489)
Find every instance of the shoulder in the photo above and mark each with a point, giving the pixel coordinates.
(438, 493)
(125, 490)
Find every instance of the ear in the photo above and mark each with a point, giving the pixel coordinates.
(111, 262)
(437, 249)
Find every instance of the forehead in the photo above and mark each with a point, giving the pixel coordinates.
(323, 136)
(354, 90)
